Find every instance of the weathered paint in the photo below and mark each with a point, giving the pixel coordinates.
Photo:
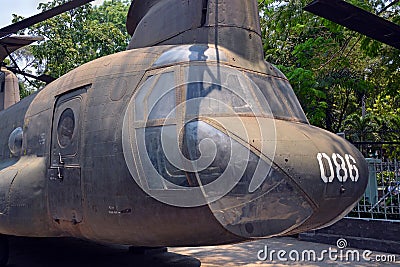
(83, 185)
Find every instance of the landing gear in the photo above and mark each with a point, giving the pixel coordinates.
(4, 250)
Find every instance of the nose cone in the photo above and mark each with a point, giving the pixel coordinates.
(256, 198)
(328, 169)
(314, 179)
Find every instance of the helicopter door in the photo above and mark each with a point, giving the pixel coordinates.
(65, 194)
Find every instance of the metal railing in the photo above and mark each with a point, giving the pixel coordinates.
(381, 200)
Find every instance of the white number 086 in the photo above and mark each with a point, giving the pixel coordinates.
(344, 167)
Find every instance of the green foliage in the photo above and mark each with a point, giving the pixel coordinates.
(78, 36)
(23, 91)
(332, 69)
(359, 128)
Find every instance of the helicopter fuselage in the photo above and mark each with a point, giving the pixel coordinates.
(102, 153)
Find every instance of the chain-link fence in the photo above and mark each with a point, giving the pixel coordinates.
(381, 200)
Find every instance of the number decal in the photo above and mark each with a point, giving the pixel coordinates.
(340, 167)
(345, 167)
(352, 168)
(326, 179)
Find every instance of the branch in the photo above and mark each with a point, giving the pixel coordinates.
(388, 6)
(340, 51)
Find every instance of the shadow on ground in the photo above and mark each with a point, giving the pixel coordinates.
(63, 252)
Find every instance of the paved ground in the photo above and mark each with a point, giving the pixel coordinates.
(246, 254)
(70, 252)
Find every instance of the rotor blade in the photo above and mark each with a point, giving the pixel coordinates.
(14, 42)
(358, 20)
(23, 24)
(43, 78)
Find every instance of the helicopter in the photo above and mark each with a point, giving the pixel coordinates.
(187, 138)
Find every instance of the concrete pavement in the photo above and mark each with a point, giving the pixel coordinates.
(71, 252)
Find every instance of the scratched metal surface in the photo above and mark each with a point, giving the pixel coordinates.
(74, 175)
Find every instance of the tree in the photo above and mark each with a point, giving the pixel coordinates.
(78, 36)
(333, 69)
(362, 128)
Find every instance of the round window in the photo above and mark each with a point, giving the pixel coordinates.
(15, 141)
(66, 127)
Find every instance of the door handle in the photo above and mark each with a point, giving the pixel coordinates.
(59, 175)
(60, 160)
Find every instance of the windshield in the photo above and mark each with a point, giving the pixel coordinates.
(220, 91)
(280, 97)
(217, 91)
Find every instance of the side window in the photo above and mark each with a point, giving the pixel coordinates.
(160, 162)
(15, 141)
(280, 97)
(140, 98)
(158, 97)
(66, 128)
(237, 101)
(162, 99)
(291, 99)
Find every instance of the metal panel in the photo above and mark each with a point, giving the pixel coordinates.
(65, 196)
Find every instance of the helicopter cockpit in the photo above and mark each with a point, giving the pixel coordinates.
(176, 101)
(189, 133)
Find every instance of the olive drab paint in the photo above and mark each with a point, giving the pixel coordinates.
(188, 138)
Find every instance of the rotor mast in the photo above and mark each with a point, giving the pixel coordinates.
(232, 24)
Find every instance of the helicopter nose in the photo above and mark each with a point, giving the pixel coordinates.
(328, 169)
(273, 206)
(314, 178)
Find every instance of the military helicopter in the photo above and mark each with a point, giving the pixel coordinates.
(187, 138)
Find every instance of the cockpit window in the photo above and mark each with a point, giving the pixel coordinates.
(160, 162)
(213, 99)
(157, 96)
(280, 97)
(212, 90)
(161, 101)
